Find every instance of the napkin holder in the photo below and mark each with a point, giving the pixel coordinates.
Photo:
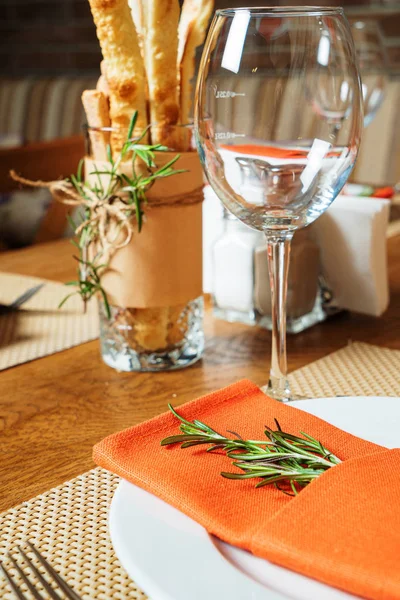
(352, 237)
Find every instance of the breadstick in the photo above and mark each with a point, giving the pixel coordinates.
(103, 68)
(160, 45)
(151, 327)
(192, 30)
(95, 104)
(102, 83)
(102, 86)
(137, 16)
(178, 323)
(188, 15)
(124, 65)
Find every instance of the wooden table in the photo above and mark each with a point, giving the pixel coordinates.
(54, 409)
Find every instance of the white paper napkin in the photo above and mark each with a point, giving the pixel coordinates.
(352, 239)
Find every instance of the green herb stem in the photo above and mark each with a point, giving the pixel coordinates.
(281, 458)
(130, 189)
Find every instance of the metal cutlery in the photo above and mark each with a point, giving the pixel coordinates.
(35, 581)
(18, 302)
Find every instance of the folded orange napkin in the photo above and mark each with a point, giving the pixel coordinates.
(342, 529)
(271, 151)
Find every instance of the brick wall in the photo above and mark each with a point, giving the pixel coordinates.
(48, 37)
(385, 12)
(54, 37)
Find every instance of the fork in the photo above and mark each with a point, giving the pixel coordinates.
(27, 295)
(54, 576)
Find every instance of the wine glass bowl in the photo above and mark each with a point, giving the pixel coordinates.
(278, 119)
(276, 94)
(372, 61)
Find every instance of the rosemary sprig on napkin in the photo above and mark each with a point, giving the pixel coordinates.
(280, 459)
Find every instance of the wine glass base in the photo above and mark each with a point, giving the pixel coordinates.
(281, 395)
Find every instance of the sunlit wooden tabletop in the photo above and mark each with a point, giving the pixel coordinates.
(53, 410)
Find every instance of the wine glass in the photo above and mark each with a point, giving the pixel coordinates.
(372, 62)
(278, 119)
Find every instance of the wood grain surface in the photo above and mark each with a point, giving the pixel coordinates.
(54, 409)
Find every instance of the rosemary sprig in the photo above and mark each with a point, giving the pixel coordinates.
(104, 189)
(280, 459)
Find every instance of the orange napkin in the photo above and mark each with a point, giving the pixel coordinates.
(270, 151)
(343, 529)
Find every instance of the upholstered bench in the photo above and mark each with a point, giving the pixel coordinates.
(40, 137)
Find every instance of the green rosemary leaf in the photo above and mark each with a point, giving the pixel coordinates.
(63, 301)
(99, 189)
(282, 458)
(178, 416)
(160, 148)
(146, 157)
(72, 224)
(127, 179)
(229, 475)
(269, 480)
(106, 303)
(142, 196)
(169, 173)
(177, 439)
(132, 124)
(168, 164)
(190, 444)
(75, 182)
(215, 447)
(81, 260)
(98, 267)
(139, 139)
(202, 426)
(109, 154)
(138, 211)
(144, 147)
(80, 169)
(309, 437)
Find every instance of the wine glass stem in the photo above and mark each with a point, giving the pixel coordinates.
(278, 266)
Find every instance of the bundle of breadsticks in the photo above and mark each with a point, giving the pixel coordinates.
(148, 66)
(149, 49)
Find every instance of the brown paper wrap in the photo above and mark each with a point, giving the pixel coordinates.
(162, 265)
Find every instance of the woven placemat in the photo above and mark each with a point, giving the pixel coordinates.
(69, 523)
(40, 328)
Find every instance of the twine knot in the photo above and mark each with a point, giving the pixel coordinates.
(108, 218)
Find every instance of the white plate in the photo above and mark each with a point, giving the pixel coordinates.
(173, 558)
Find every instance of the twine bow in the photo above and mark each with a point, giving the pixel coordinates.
(110, 216)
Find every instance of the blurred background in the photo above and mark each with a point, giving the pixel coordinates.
(50, 54)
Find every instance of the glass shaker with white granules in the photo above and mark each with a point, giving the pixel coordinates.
(241, 289)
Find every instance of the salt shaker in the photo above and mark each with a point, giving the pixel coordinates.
(241, 288)
(233, 256)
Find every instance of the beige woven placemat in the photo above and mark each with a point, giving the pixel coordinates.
(69, 523)
(40, 328)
